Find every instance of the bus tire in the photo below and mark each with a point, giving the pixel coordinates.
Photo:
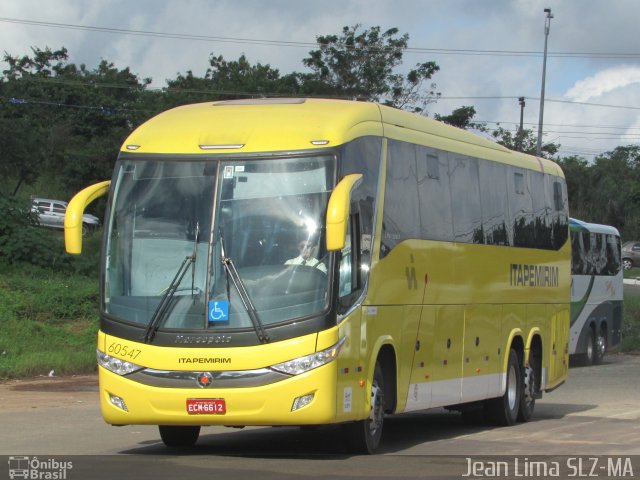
(599, 348)
(503, 411)
(530, 390)
(595, 348)
(364, 436)
(179, 436)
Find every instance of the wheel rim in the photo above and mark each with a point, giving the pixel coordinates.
(600, 345)
(376, 414)
(529, 385)
(512, 388)
(626, 264)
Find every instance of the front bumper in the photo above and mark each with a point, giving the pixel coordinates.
(269, 404)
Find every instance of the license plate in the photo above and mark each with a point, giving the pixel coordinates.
(206, 406)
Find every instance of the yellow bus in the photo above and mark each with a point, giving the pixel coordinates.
(309, 262)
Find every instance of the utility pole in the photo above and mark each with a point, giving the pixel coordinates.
(547, 27)
(519, 134)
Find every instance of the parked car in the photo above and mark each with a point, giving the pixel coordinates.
(630, 254)
(51, 214)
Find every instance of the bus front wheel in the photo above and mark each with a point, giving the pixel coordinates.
(178, 436)
(364, 436)
(504, 410)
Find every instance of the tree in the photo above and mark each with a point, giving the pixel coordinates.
(606, 190)
(576, 172)
(227, 80)
(461, 118)
(524, 141)
(64, 121)
(360, 64)
(615, 192)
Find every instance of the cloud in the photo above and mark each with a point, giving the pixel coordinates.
(604, 82)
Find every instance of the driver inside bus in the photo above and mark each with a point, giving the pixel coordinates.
(306, 257)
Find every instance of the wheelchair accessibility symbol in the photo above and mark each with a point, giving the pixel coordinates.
(218, 310)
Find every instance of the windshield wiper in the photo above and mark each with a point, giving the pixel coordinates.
(195, 250)
(232, 273)
(161, 310)
(165, 301)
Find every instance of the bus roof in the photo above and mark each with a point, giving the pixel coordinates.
(286, 124)
(576, 225)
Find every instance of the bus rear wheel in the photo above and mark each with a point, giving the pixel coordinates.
(504, 410)
(595, 348)
(179, 436)
(364, 436)
(530, 391)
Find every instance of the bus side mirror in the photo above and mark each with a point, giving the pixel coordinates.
(75, 210)
(338, 211)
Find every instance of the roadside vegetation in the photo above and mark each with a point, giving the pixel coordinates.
(48, 310)
(631, 322)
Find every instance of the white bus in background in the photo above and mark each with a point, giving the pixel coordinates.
(596, 291)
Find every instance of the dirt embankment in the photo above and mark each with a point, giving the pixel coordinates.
(48, 392)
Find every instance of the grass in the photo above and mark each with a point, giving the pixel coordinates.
(631, 323)
(49, 316)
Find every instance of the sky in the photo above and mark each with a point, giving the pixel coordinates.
(489, 51)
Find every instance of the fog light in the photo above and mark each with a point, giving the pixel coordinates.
(118, 402)
(302, 401)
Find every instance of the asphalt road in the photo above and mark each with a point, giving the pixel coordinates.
(596, 412)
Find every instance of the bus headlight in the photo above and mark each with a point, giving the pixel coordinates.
(309, 362)
(116, 365)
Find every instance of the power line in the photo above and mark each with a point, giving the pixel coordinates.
(552, 100)
(230, 92)
(286, 43)
(99, 108)
(620, 127)
(110, 110)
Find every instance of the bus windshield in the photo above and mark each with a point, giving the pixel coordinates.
(176, 225)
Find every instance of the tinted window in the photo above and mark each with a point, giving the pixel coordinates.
(401, 206)
(522, 217)
(541, 210)
(559, 217)
(495, 206)
(469, 200)
(613, 255)
(434, 194)
(465, 199)
(59, 208)
(594, 253)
